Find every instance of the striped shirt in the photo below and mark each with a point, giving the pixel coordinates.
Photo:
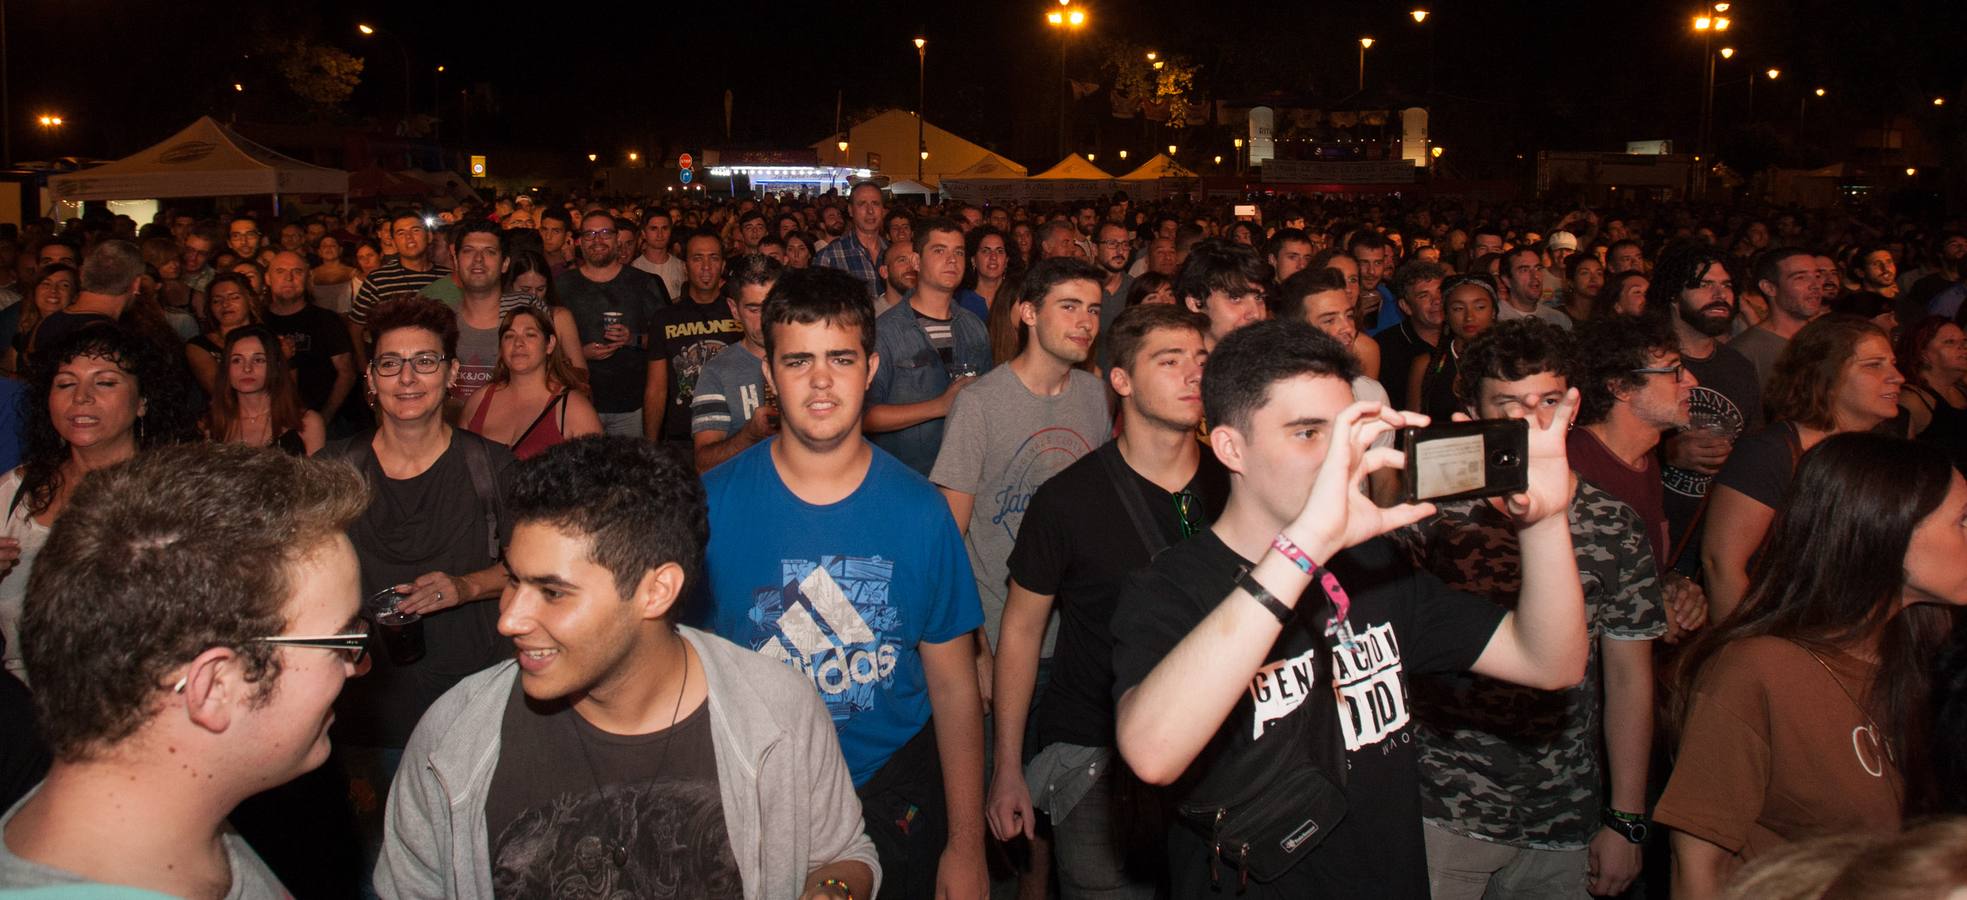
(390, 282)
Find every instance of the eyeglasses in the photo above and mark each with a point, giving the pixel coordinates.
(1186, 504)
(422, 364)
(597, 233)
(1119, 243)
(1673, 370)
(354, 645)
(240, 234)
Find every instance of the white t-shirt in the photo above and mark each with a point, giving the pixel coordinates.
(13, 584)
(671, 272)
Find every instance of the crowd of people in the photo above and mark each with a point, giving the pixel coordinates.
(832, 548)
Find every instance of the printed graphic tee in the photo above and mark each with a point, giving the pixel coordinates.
(566, 795)
(686, 335)
(1352, 702)
(843, 593)
(1000, 443)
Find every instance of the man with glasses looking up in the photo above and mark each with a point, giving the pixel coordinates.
(614, 309)
(186, 650)
(244, 237)
(409, 273)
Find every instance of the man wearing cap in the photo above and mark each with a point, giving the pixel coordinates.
(1557, 249)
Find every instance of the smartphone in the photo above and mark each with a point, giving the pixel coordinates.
(1464, 460)
(1245, 210)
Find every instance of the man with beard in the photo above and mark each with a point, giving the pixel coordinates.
(860, 253)
(244, 237)
(1788, 277)
(1112, 251)
(900, 271)
(930, 349)
(686, 335)
(318, 348)
(1693, 284)
(614, 308)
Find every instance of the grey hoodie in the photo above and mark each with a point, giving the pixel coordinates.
(789, 804)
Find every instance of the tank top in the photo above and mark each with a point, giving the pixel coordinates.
(1948, 429)
(543, 433)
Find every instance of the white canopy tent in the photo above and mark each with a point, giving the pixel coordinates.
(206, 159)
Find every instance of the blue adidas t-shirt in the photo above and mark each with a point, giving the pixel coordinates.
(842, 593)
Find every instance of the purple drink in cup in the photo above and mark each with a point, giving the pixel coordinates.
(401, 632)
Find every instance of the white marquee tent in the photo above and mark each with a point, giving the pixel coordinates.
(206, 159)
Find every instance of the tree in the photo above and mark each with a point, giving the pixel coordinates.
(1162, 89)
(320, 75)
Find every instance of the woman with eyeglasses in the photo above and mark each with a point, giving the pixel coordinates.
(430, 535)
(258, 404)
(1808, 711)
(229, 306)
(535, 399)
(1836, 376)
(106, 393)
(1468, 305)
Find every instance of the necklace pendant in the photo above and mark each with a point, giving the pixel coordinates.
(619, 854)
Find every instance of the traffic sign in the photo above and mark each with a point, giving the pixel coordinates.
(684, 161)
(684, 174)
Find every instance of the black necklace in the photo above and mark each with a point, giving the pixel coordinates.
(617, 851)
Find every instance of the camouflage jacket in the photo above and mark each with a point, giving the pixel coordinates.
(1508, 763)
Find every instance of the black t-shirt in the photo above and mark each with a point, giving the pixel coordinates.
(433, 522)
(1399, 346)
(318, 337)
(565, 794)
(1407, 623)
(1729, 392)
(1078, 544)
(617, 381)
(686, 336)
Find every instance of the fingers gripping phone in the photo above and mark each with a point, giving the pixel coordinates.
(1464, 460)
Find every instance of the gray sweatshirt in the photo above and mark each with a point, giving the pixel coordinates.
(789, 804)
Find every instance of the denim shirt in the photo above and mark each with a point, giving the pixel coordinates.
(911, 371)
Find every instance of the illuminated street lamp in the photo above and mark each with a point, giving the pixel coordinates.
(1435, 151)
(1123, 154)
(594, 157)
(1066, 19)
(1727, 53)
(1219, 159)
(1239, 155)
(1365, 43)
(370, 31)
(238, 88)
(1939, 101)
(1910, 171)
(921, 73)
(634, 156)
(1420, 15)
(1773, 73)
(1171, 149)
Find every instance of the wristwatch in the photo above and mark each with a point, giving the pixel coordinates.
(1631, 826)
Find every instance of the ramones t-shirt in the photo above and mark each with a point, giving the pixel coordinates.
(566, 796)
(1405, 621)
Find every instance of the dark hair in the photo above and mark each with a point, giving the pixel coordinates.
(637, 503)
(751, 269)
(1863, 304)
(925, 227)
(973, 242)
(475, 225)
(1148, 283)
(1236, 381)
(1811, 364)
(1512, 350)
(1284, 236)
(1414, 272)
(170, 416)
(818, 294)
(1220, 265)
(1366, 239)
(284, 410)
(556, 213)
(1679, 269)
(1290, 296)
(1855, 497)
(1949, 742)
(526, 260)
(1608, 296)
(1614, 247)
(416, 312)
(1050, 273)
(1609, 348)
(1769, 265)
(30, 312)
(156, 560)
(1576, 261)
(1135, 323)
(1911, 348)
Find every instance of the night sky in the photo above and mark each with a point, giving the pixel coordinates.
(601, 77)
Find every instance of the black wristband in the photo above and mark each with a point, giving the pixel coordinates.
(1276, 607)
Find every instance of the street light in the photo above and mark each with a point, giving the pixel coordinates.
(238, 88)
(1239, 155)
(594, 157)
(634, 156)
(1067, 19)
(1420, 15)
(1123, 154)
(370, 31)
(1939, 101)
(1773, 73)
(1219, 159)
(1365, 43)
(921, 76)
(1727, 53)
(1910, 171)
(1171, 149)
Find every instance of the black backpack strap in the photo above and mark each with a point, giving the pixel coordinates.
(1122, 477)
(479, 463)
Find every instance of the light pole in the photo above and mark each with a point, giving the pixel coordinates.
(371, 31)
(1365, 43)
(1773, 74)
(1239, 155)
(1707, 25)
(921, 78)
(1066, 19)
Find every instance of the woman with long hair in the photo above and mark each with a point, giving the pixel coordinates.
(990, 266)
(529, 276)
(229, 305)
(258, 403)
(52, 289)
(1932, 355)
(1835, 376)
(334, 282)
(105, 393)
(1624, 294)
(798, 249)
(534, 399)
(1807, 711)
